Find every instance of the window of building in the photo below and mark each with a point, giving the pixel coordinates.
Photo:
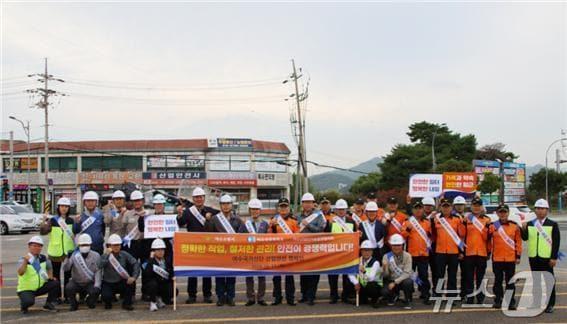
(60, 164)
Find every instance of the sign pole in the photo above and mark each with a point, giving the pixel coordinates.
(174, 293)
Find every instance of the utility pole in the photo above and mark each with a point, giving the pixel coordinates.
(11, 179)
(45, 93)
(297, 118)
(27, 131)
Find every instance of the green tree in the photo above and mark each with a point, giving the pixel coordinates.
(366, 184)
(489, 184)
(332, 195)
(557, 182)
(453, 152)
(493, 152)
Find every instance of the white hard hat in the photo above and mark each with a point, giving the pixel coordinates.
(341, 204)
(85, 239)
(428, 201)
(90, 195)
(63, 201)
(36, 239)
(371, 206)
(541, 203)
(396, 239)
(198, 192)
(368, 245)
(225, 199)
(158, 199)
(118, 194)
(255, 204)
(114, 239)
(459, 200)
(136, 195)
(307, 197)
(158, 244)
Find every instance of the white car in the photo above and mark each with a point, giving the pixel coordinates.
(10, 221)
(24, 211)
(518, 214)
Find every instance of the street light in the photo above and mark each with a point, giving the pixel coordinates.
(546, 171)
(433, 160)
(27, 131)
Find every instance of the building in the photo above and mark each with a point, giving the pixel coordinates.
(244, 168)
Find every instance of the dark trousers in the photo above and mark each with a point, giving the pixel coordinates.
(289, 288)
(463, 281)
(192, 286)
(406, 286)
(421, 265)
(503, 271)
(540, 264)
(72, 288)
(433, 267)
(449, 263)
(255, 295)
(163, 289)
(52, 288)
(475, 268)
(309, 285)
(110, 289)
(57, 275)
(372, 290)
(334, 287)
(224, 288)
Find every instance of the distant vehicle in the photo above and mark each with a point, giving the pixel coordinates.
(16, 203)
(27, 212)
(518, 214)
(11, 222)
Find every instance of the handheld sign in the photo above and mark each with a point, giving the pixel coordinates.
(162, 226)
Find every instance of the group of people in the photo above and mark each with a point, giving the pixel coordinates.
(398, 251)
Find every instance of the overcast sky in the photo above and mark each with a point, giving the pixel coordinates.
(190, 70)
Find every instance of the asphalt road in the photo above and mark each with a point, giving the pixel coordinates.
(14, 246)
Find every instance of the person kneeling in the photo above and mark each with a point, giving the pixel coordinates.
(397, 272)
(159, 274)
(369, 279)
(86, 276)
(120, 271)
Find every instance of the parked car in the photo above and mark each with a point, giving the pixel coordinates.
(16, 203)
(28, 212)
(11, 221)
(518, 214)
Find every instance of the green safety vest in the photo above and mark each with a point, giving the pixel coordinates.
(336, 228)
(363, 281)
(59, 242)
(538, 247)
(31, 280)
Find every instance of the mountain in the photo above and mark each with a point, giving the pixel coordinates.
(331, 180)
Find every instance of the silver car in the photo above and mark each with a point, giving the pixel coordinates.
(11, 221)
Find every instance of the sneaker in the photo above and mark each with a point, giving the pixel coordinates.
(153, 307)
(160, 303)
(50, 307)
(407, 305)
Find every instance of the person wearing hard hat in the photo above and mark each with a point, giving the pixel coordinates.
(283, 223)
(83, 265)
(543, 237)
(340, 223)
(91, 221)
(417, 233)
(159, 273)
(325, 206)
(194, 216)
(396, 266)
(373, 230)
(368, 282)
(114, 212)
(310, 221)
(35, 277)
(119, 273)
(448, 232)
(459, 205)
(505, 245)
(61, 240)
(429, 211)
(132, 237)
(393, 219)
(224, 222)
(476, 250)
(255, 225)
